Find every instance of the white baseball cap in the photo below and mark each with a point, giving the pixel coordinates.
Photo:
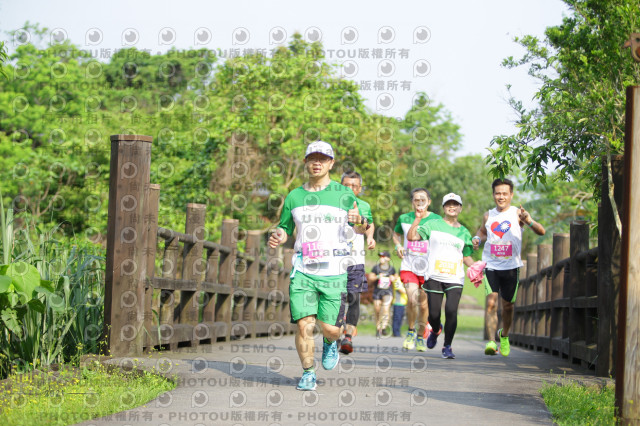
(451, 196)
(321, 147)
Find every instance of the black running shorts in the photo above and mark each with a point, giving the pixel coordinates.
(504, 282)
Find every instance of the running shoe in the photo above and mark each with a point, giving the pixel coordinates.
(420, 346)
(505, 346)
(330, 355)
(307, 381)
(410, 340)
(491, 348)
(427, 330)
(447, 352)
(347, 346)
(433, 338)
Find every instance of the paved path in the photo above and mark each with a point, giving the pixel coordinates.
(252, 382)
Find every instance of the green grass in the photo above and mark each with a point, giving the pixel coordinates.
(571, 403)
(74, 395)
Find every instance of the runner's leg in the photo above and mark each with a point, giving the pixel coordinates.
(353, 312)
(330, 332)
(398, 315)
(304, 340)
(435, 306)
(377, 304)
(423, 312)
(507, 317)
(384, 315)
(451, 314)
(491, 315)
(413, 301)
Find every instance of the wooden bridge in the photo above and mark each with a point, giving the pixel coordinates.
(568, 304)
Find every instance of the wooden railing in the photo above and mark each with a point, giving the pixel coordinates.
(567, 302)
(166, 289)
(556, 307)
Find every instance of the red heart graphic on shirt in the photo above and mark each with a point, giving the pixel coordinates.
(500, 228)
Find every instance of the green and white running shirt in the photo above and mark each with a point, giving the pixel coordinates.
(324, 239)
(358, 244)
(415, 252)
(447, 246)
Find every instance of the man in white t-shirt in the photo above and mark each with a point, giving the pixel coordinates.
(502, 229)
(325, 215)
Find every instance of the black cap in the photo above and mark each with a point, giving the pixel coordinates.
(384, 253)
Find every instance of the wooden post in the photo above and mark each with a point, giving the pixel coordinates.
(273, 269)
(560, 252)
(609, 248)
(226, 275)
(193, 268)
(167, 297)
(209, 305)
(287, 264)
(125, 266)
(252, 280)
(532, 270)
(579, 241)
(544, 260)
(151, 223)
(628, 358)
(519, 319)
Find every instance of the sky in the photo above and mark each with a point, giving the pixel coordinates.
(450, 50)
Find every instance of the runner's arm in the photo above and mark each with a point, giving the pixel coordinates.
(398, 244)
(279, 236)
(371, 243)
(481, 233)
(468, 261)
(525, 218)
(412, 234)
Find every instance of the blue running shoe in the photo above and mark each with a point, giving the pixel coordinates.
(307, 381)
(433, 338)
(330, 355)
(447, 352)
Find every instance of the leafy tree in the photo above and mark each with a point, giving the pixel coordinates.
(3, 59)
(230, 135)
(583, 71)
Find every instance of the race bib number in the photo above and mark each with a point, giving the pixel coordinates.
(418, 247)
(445, 267)
(501, 250)
(384, 282)
(314, 252)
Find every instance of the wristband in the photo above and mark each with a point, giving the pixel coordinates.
(531, 224)
(476, 237)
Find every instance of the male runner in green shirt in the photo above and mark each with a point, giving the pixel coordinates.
(326, 218)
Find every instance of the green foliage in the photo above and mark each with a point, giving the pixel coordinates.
(571, 403)
(3, 59)
(51, 298)
(583, 71)
(72, 395)
(229, 134)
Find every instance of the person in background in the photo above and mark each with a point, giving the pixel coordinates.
(414, 268)
(383, 274)
(399, 304)
(356, 280)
